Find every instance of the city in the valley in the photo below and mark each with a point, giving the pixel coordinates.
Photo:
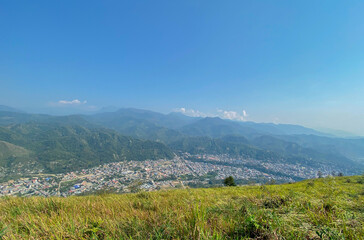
(184, 170)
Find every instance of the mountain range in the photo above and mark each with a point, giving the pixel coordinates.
(32, 143)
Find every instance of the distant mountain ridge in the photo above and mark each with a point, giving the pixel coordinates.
(4, 108)
(284, 129)
(176, 132)
(193, 126)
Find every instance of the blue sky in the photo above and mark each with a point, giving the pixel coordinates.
(298, 62)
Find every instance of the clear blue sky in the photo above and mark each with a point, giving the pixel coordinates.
(281, 61)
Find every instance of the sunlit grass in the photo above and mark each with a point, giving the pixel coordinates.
(329, 208)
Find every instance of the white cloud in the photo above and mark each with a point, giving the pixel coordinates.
(72, 102)
(225, 114)
(181, 110)
(75, 103)
(191, 112)
(232, 115)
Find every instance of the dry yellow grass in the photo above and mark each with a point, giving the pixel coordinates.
(330, 208)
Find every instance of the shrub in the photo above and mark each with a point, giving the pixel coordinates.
(310, 184)
(229, 182)
(274, 202)
(361, 180)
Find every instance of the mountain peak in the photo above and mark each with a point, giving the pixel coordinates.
(9, 109)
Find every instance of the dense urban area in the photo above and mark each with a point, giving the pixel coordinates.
(183, 171)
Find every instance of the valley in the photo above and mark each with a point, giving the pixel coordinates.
(133, 150)
(179, 172)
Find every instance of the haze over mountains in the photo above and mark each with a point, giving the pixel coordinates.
(33, 143)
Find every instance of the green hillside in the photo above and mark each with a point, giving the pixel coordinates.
(10, 150)
(328, 208)
(200, 145)
(55, 148)
(274, 151)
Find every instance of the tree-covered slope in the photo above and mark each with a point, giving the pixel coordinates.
(350, 148)
(293, 150)
(206, 145)
(8, 150)
(57, 148)
(267, 149)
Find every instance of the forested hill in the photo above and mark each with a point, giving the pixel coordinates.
(55, 148)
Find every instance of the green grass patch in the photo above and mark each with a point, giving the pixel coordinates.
(328, 208)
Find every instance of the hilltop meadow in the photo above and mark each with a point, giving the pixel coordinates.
(327, 208)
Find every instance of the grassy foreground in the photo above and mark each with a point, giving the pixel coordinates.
(329, 208)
